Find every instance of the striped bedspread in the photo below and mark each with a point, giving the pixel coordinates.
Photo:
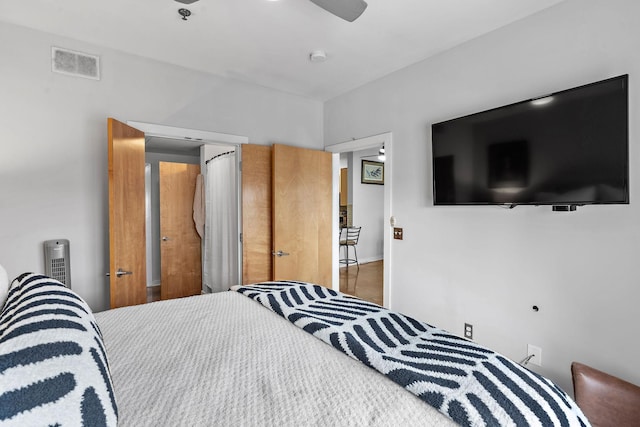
(471, 384)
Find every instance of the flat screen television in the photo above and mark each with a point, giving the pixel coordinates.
(568, 148)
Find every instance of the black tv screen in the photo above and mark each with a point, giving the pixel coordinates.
(567, 148)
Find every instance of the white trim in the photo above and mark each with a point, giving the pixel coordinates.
(147, 223)
(357, 145)
(335, 229)
(151, 129)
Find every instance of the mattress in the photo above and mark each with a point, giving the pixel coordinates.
(224, 360)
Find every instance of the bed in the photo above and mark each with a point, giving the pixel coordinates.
(272, 354)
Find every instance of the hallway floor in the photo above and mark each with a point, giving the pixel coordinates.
(153, 293)
(367, 283)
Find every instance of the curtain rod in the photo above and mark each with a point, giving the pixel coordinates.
(219, 155)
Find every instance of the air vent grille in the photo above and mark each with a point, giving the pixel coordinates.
(57, 260)
(58, 269)
(74, 63)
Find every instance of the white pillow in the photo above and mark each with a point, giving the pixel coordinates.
(4, 286)
(53, 363)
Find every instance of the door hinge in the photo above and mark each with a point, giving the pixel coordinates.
(240, 237)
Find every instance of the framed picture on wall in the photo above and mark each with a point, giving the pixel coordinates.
(372, 172)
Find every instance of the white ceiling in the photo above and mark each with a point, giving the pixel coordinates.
(268, 42)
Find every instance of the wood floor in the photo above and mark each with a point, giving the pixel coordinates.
(365, 283)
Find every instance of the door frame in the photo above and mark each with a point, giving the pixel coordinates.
(357, 145)
(206, 138)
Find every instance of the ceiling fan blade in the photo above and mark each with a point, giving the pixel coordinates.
(349, 10)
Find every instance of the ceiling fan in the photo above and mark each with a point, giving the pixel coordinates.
(349, 10)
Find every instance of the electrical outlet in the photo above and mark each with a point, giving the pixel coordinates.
(537, 354)
(468, 331)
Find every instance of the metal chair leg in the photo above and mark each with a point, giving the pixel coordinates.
(355, 251)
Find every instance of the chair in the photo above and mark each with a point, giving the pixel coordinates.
(604, 399)
(349, 239)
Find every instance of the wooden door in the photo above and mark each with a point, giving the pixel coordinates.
(344, 187)
(127, 244)
(302, 214)
(180, 244)
(256, 214)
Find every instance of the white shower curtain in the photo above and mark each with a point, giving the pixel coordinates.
(220, 269)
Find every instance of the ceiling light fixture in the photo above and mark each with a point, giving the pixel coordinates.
(184, 13)
(186, 1)
(318, 56)
(542, 101)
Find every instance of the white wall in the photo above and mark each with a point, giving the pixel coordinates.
(487, 265)
(53, 141)
(368, 211)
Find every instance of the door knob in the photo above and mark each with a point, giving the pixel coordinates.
(165, 238)
(279, 253)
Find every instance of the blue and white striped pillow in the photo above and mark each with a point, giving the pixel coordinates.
(53, 364)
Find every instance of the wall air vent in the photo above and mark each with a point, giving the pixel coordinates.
(73, 63)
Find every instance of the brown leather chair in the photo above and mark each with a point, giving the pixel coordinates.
(604, 399)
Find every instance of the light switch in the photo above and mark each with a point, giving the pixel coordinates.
(397, 233)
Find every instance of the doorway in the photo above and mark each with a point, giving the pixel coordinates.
(180, 159)
(362, 219)
(127, 242)
(159, 151)
(375, 141)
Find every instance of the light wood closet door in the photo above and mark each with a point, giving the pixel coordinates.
(180, 244)
(302, 214)
(256, 214)
(127, 250)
